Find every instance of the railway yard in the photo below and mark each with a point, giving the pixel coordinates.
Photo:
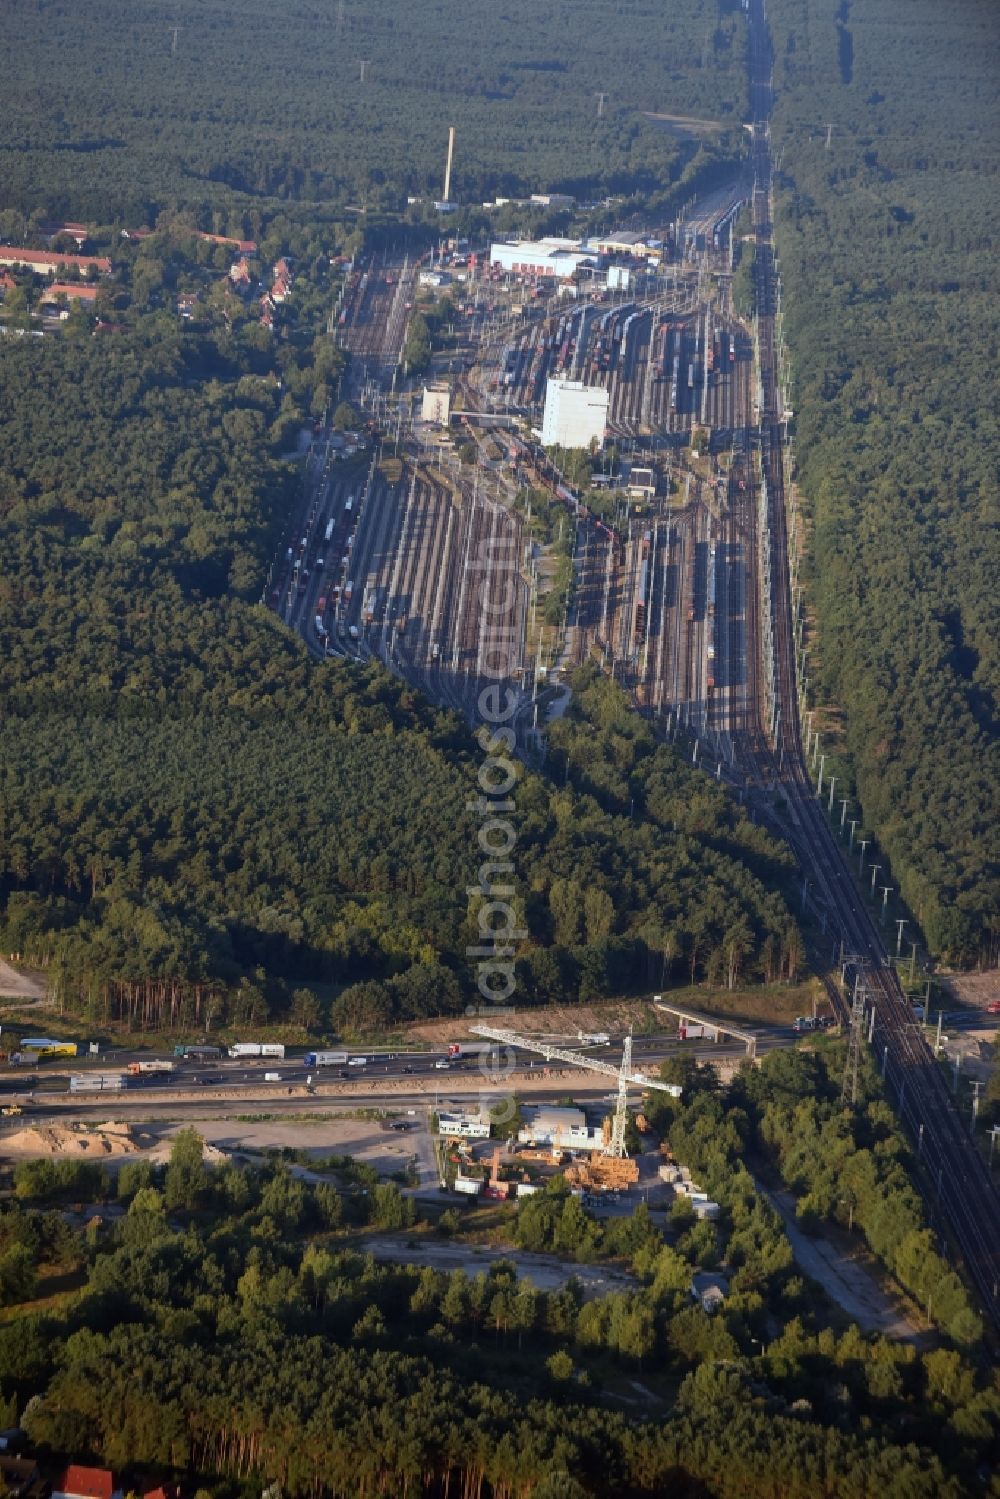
(429, 564)
(426, 557)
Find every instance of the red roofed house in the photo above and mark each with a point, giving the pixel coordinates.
(85, 1483)
(165, 1491)
(245, 246)
(48, 262)
(7, 283)
(71, 230)
(73, 291)
(239, 272)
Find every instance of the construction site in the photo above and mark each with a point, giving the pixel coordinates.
(503, 1152)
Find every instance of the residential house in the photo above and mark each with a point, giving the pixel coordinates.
(245, 246)
(709, 1290)
(78, 1482)
(71, 291)
(239, 274)
(20, 1478)
(50, 262)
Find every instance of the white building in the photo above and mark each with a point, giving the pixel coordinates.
(472, 1126)
(436, 405)
(551, 256)
(567, 1128)
(575, 414)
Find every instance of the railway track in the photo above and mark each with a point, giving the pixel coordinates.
(959, 1193)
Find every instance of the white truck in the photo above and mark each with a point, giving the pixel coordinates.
(325, 1058)
(358, 1062)
(96, 1082)
(140, 1069)
(257, 1049)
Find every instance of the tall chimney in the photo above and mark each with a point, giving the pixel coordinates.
(447, 170)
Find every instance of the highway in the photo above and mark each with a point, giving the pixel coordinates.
(961, 1199)
(385, 1070)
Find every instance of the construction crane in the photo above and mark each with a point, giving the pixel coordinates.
(623, 1075)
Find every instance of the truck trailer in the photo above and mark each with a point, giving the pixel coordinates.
(325, 1058)
(97, 1082)
(142, 1069)
(45, 1046)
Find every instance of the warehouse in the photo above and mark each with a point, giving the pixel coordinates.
(554, 257)
(576, 415)
(623, 242)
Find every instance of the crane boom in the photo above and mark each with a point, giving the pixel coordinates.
(575, 1059)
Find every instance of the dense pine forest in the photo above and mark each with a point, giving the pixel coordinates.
(195, 818)
(888, 240)
(108, 111)
(228, 1327)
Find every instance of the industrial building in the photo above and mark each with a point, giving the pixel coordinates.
(472, 1126)
(576, 415)
(555, 257)
(436, 404)
(624, 242)
(565, 1128)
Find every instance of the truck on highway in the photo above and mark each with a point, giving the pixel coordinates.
(272, 1077)
(805, 1023)
(142, 1069)
(97, 1082)
(687, 1032)
(358, 1062)
(257, 1049)
(45, 1046)
(325, 1058)
(593, 1038)
(459, 1049)
(328, 533)
(198, 1053)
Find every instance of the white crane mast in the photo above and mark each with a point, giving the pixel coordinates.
(623, 1075)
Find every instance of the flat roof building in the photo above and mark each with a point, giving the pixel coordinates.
(551, 256)
(436, 405)
(567, 1128)
(576, 415)
(472, 1126)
